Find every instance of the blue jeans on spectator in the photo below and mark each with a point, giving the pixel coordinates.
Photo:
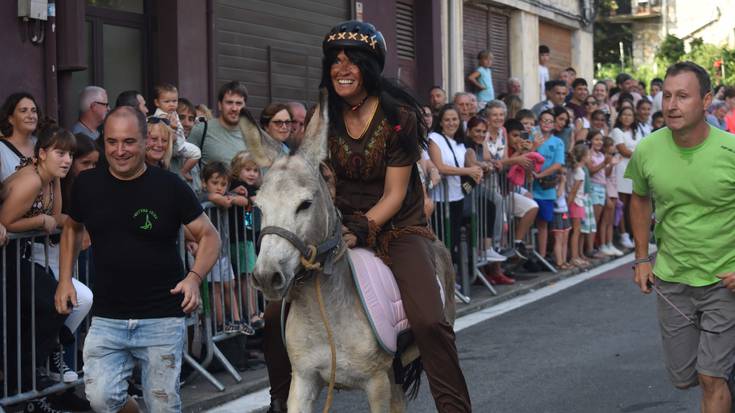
(111, 350)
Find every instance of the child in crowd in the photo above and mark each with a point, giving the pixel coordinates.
(245, 181)
(611, 192)
(596, 166)
(203, 111)
(167, 101)
(560, 226)
(215, 181)
(657, 121)
(576, 201)
(482, 78)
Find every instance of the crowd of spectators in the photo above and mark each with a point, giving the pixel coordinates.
(552, 166)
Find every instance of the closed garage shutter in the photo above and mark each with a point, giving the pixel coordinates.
(559, 41)
(274, 46)
(486, 29)
(406, 43)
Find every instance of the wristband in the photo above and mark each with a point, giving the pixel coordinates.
(197, 275)
(642, 260)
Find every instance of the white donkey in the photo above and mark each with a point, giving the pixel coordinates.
(301, 227)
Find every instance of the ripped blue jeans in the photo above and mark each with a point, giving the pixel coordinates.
(114, 346)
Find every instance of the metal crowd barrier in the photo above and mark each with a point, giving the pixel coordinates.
(492, 193)
(24, 377)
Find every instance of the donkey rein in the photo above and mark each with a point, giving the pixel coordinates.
(332, 348)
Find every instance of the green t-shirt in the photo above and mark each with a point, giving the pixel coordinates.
(694, 193)
(221, 144)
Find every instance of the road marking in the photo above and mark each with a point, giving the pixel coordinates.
(260, 400)
(491, 312)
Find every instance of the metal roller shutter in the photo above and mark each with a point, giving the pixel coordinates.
(406, 43)
(487, 29)
(274, 46)
(559, 41)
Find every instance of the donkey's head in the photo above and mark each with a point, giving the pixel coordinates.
(293, 197)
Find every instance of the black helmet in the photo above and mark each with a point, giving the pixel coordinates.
(358, 35)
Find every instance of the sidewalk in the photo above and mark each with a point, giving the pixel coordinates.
(200, 395)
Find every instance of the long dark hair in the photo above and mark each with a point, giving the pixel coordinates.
(633, 126)
(84, 146)
(6, 111)
(460, 136)
(393, 99)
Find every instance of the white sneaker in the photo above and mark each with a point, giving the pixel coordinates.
(493, 256)
(605, 249)
(614, 251)
(625, 241)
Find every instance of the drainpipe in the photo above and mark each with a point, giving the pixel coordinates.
(452, 39)
(51, 80)
(210, 54)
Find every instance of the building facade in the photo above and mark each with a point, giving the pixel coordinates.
(274, 46)
(652, 20)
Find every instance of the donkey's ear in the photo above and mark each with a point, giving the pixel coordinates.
(264, 149)
(314, 146)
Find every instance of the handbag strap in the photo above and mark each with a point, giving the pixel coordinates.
(452, 150)
(204, 136)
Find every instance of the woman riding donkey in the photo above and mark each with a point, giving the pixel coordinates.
(374, 140)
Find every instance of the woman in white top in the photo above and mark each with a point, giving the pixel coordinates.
(447, 152)
(626, 135)
(18, 120)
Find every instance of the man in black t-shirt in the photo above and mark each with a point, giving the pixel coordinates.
(133, 214)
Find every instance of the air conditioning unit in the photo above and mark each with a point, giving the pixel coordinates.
(33, 9)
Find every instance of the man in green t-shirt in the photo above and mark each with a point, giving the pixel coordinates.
(688, 169)
(223, 138)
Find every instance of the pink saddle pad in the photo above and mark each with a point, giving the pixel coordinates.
(380, 297)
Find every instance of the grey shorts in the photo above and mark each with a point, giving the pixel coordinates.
(688, 351)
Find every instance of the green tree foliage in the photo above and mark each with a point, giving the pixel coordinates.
(607, 36)
(671, 50)
(719, 61)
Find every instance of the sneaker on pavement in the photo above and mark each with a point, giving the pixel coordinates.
(58, 370)
(493, 256)
(41, 406)
(246, 329)
(625, 241)
(520, 249)
(605, 249)
(501, 279)
(616, 252)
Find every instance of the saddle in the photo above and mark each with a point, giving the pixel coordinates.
(378, 291)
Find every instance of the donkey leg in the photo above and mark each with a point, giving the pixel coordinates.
(303, 393)
(397, 399)
(379, 393)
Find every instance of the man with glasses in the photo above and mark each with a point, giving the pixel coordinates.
(93, 107)
(687, 169)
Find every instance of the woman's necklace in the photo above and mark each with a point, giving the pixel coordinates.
(356, 107)
(366, 124)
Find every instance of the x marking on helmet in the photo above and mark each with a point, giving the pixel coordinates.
(364, 38)
(373, 42)
(341, 35)
(352, 36)
(332, 37)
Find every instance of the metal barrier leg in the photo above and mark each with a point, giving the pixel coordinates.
(463, 265)
(201, 370)
(465, 299)
(543, 261)
(226, 363)
(485, 282)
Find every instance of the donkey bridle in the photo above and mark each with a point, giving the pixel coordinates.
(312, 256)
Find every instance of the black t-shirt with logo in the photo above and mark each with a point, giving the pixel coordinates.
(134, 227)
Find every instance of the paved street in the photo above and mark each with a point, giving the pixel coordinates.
(593, 347)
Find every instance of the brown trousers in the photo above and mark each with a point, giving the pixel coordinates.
(412, 265)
